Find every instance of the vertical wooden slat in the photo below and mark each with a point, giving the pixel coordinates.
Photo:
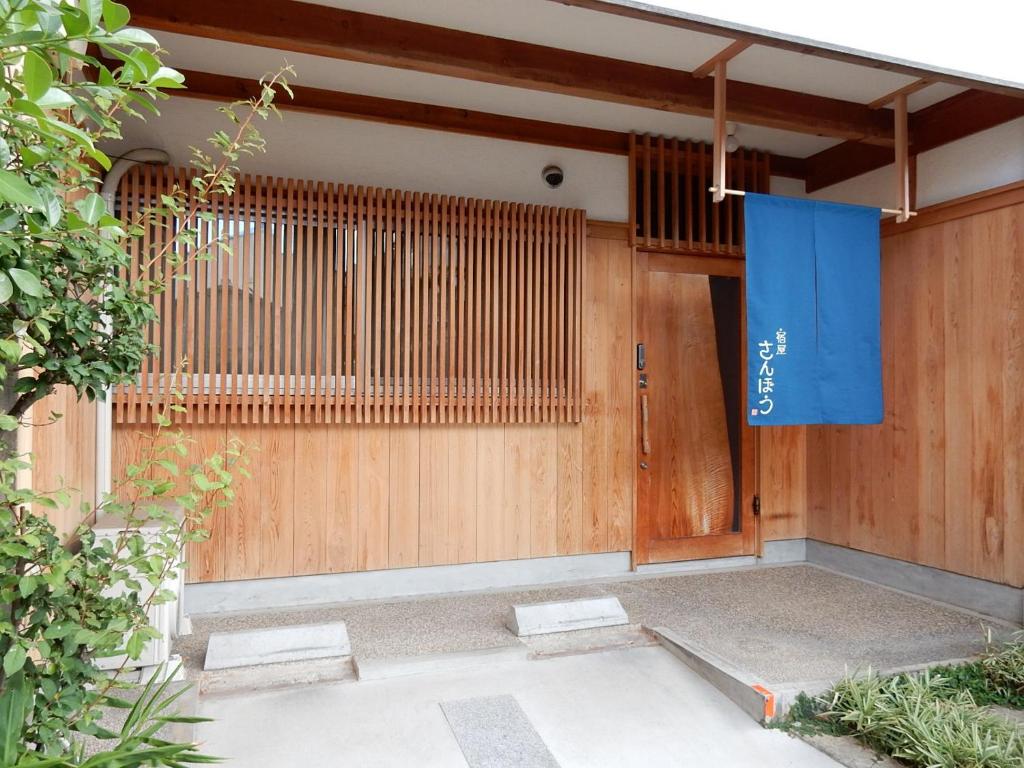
(461, 308)
(702, 193)
(581, 273)
(560, 309)
(362, 313)
(351, 294)
(479, 213)
(436, 339)
(419, 351)
(674, 178)
(288, 334)
(545, 306)
(495, 318)
(488, 300)
(278, 254)
(261, 309)
(304, 339)
(520, 302)
(407, 308)
(223, 331)
(505, 243)
(183, 302)
(688, 194)
(730, 200)
(168, 355)
(632, 188)
(235, 286)
(445, 314)
(323, 317)
(646, 226)
(386, 330)
(532, 411)
(741, 182)
(661, 191)
(151, 365)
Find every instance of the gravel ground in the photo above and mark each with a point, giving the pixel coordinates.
(782, 624)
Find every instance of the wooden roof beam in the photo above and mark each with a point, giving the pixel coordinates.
(206, 85)
(341, 34)
(948, 120)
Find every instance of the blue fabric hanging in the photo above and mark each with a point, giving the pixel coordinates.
(813, 312)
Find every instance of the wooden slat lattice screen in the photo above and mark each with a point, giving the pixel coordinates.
(340, 304)
(670, 206)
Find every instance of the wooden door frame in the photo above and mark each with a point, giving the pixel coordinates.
(703, 547)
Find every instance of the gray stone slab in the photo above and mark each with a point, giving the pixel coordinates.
(494, 732)
(274, 645)
(565, 616)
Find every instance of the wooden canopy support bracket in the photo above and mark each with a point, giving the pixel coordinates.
(718, 169)
(719, 190)
(726, 54)
(902, 158)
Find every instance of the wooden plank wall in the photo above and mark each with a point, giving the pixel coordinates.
(328, 498)
(941, 481)
(64, 453)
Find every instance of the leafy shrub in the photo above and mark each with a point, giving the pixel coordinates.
(1004, 669)
(71, 315)
(925, 721)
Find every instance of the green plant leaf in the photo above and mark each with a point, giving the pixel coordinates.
(14, 659)
(14, 704)
(6, 287)
(115, 15)
(55, 98)
(37, 75)
(15, 189)
(26, 281)
(93, 10)
(91, 208)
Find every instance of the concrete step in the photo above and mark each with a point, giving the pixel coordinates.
(275, 645)
(565, 616)
(280, 675)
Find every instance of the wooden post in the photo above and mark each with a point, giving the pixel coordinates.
(719, 139)
(902, 158)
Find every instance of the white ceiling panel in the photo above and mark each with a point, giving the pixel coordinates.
(811, 74)
(316, 71)
(550, 23)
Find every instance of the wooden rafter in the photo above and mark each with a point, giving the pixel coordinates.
(726, 54)
(214, 87)
(948, 120)
(905, 90)
(349, 35)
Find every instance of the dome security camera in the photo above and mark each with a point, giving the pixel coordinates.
(553, 176)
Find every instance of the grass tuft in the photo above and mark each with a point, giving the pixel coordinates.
(933, 719)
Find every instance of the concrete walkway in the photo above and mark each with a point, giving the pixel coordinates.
(633, 707)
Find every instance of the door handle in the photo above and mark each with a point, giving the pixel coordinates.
(645, 438)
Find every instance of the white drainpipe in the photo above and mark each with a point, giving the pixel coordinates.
(104, 412)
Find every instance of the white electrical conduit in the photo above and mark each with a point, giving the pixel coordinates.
(104, 412)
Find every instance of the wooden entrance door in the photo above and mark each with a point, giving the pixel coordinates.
(694, 450)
